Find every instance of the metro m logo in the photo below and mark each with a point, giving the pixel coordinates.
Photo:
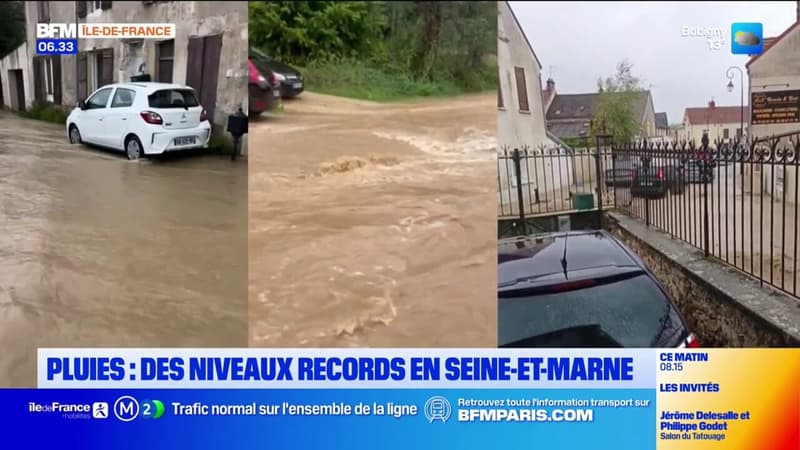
(56, 31)
(126, 408)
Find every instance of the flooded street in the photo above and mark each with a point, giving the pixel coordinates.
(748, 228)
(374, 224)
(97, 251)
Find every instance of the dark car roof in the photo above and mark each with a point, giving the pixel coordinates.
(261, 58)
(540, 256)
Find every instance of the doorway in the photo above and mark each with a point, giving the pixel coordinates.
(16, 89)
(202, 69)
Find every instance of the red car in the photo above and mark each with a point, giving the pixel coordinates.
(263, 89)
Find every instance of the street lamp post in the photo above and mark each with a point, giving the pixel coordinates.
(730, 73)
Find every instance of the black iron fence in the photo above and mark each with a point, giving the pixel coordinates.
(551, 180)
(735, 201)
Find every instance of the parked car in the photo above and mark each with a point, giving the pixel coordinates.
(290, 79)
(263, 90)
(656, 181)
(582, 289)
(698, 171)
(619, 177)
(141, 119)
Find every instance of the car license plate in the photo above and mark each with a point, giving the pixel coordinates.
(646, 183)
(297, 85)
(276, 93)
(184, 140)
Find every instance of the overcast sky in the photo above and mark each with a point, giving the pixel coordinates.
(582, 41)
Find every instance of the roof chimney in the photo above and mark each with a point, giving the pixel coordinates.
(551, 85)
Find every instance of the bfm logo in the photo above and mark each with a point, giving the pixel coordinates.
(56, 31)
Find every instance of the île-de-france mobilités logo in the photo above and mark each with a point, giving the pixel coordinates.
(747, 38)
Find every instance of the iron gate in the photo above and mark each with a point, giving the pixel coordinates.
(552, 180)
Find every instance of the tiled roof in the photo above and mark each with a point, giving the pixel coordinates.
(768, 42)
(771, 41)
(661, 120)
(569, 128)
(581, 106)
(719, 114)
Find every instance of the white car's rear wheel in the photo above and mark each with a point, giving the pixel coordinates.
(74, 135)
(133, 148)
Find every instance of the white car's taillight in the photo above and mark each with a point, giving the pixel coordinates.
(151, 117)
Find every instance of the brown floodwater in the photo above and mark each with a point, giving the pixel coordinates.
(99, 251)
(374, 224)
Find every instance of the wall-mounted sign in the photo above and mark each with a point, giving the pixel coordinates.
(775, 107)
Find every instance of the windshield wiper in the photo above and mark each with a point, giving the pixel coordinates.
(666, 320)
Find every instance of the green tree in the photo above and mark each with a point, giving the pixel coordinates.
(382, 49)
(305, 30)
(12, 26)
(614, 113)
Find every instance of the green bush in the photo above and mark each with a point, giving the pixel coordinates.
(220, 141)
(46, 112)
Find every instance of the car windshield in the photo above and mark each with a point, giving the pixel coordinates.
(172, 98)
(626, 313)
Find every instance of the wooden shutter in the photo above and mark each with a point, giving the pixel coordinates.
(44, 11)
(164, 59)
(82, 77)
(106, 66)
(211, 55)
(38, 79)
(81, 7)
(522, 89)
(57, 79)
(194, 67)
(499, 95)
(105, 5)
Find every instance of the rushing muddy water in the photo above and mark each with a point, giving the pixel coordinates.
(374, 225)
(99, 251)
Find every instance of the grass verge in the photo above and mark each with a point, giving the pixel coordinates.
(380, 84)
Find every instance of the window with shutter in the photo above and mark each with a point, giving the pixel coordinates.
(57, 79)
(500, 96)
(522, 89)
(44, 11)
(105, 66)
(164, 62)
(38, 79)
(83, 81)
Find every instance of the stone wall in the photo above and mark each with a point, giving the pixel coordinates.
(724, 307)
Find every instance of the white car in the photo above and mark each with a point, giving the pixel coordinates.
(141, 119)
